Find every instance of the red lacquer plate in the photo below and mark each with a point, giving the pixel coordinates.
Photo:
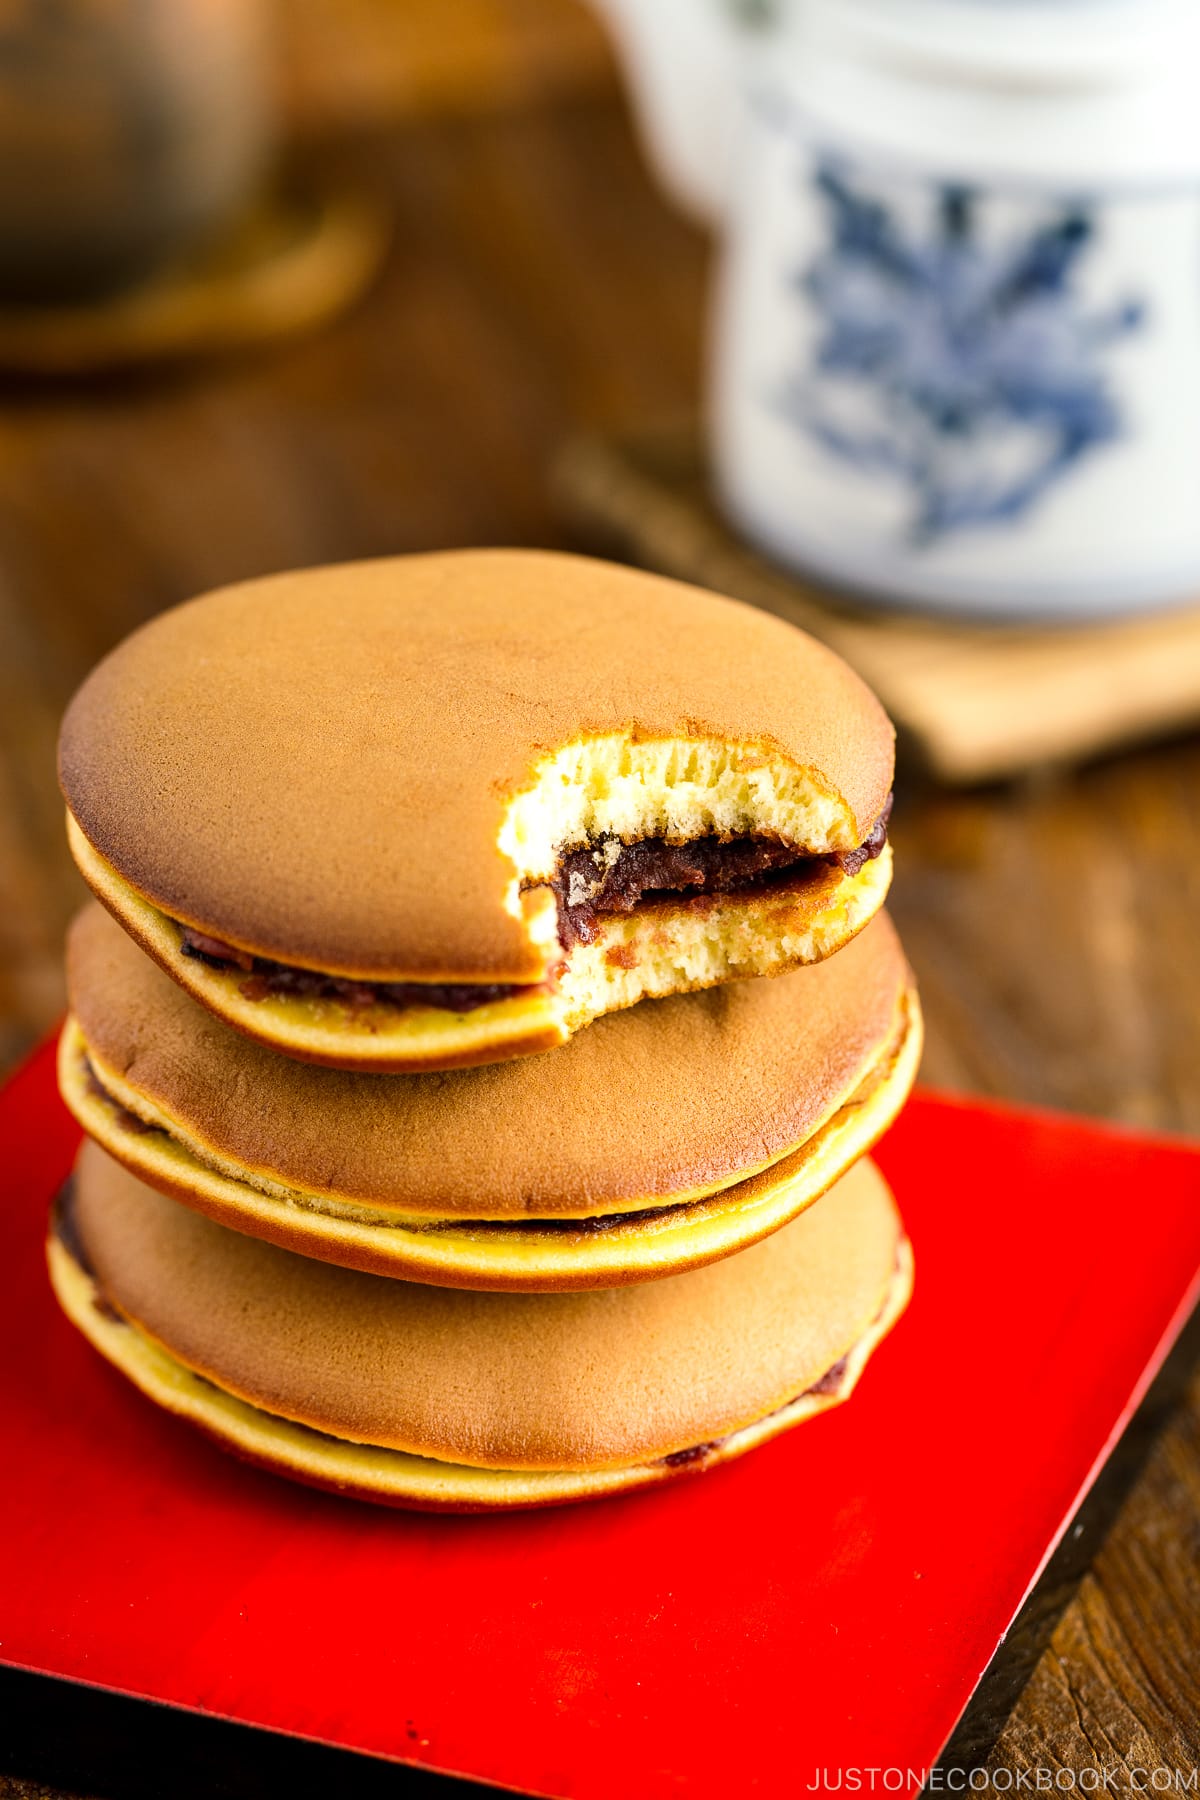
(826, 1604)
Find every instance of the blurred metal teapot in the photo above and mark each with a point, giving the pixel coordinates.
(128, 130)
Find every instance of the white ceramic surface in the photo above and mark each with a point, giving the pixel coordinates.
(957, 348)
(683, 61)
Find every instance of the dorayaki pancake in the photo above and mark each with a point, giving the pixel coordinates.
(433, 1397)
(440, 810)
(660, 1139)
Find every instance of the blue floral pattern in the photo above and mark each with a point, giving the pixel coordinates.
(964, 368)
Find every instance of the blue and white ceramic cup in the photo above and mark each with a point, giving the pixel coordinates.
(957, 346)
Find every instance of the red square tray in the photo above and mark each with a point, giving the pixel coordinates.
(827, 1603)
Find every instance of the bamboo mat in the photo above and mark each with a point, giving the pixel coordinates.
(977, 702)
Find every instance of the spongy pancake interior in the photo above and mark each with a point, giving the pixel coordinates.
(673, 787)
(676, 948)
(607, 1378)
(395, 713)
(660, 1104)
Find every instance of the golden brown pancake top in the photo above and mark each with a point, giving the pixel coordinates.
(614, 1375)
(317, 765)
(673, 1096)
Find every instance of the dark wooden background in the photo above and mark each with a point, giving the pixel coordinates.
(538, 284)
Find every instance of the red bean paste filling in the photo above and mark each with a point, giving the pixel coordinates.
(587, 1226)
(612, 877)
(66, 1229)
(606, 877)
(592, 1224)
(584, 1227)
(266, 979)
(829, 1383)
(128, 1121)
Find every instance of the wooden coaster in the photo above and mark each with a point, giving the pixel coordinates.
(978, 702)
(296, 259)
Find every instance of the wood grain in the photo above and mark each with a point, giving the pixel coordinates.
(13, 1788)
(538, 286)
(1118, 1689)
(345, 62)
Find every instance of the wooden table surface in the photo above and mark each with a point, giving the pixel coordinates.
(538, 284)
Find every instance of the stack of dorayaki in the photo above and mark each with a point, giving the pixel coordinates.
(486, 1014)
